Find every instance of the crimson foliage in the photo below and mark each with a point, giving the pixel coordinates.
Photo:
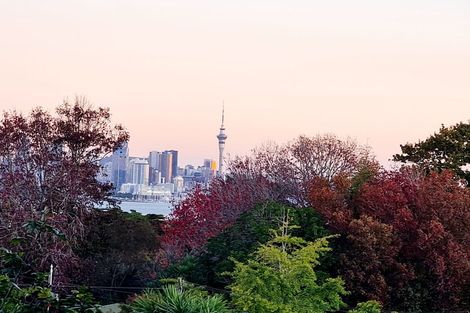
(48, 186)
(273, 173)
(406, 237)
(205, 213)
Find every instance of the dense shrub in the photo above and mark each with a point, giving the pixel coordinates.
(237, 242)
(280, 276)
(175, 299)
(34, 294)
(119, 251)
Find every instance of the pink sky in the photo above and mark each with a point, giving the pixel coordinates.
(383, 72)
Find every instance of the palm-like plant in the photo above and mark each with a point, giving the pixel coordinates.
(172, 299)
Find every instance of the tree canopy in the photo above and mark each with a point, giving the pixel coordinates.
(447, 149)
(48, 185)
(281, 278)
(405, 237)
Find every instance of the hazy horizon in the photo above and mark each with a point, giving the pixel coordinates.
(382, 73)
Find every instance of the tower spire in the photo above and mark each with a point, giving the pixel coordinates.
(223, 113)
(222, 137)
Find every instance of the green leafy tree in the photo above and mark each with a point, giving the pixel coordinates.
(367, 307)
(447, 149)
(240, 240)
(116, 258)
(281, 278)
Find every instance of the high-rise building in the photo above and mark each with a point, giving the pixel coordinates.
(140, 171)
(154, 167)
(188, 170)
(178, 182)
(174, 163)
(169, 165)
(209, 169)
(119, 160)
(207, 163)
(166, 166)
(221, 137)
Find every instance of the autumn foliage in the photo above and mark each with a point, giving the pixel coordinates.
(405, 236)
(48, 186)
(205, 213)
(271, 173)
(292, 166)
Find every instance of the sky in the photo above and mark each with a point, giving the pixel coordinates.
(382, 72)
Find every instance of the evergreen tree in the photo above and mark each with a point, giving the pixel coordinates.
(447, 149)
(281, 278)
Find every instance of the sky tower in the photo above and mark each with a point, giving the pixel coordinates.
(221, 136)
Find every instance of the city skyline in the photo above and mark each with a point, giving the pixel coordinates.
(156, 177)
(385, 73)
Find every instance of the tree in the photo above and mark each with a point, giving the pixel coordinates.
(281, 278)
(405, 237)
(447, 149)
(273, 173)
(116, 258)
(48, 169)
(291, 167)
(367, 307)
(240, 240)
(205, 213)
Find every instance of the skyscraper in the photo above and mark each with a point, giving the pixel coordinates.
(174, 163)
(154, 167)
(166, 166)
(221, 137)
(119, 161)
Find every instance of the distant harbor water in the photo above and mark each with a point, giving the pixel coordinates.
(163, 208)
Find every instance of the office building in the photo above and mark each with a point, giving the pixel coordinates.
(154, 167)
(174, 163)
(139, 170)
(166, 166)
(119, 164)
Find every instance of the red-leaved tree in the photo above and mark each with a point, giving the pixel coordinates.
(279, 173)
(405, 237)
(292, 166)
(205, 213)
(48, 186)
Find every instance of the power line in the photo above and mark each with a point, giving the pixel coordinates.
(122, 288)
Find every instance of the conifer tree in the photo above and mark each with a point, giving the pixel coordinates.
(281, 277)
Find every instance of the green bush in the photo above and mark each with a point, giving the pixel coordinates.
(240, 240)
(32, 293)
(173, 299)
(116, 258)
(367, 307)
(38, 299)
(280, 277)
